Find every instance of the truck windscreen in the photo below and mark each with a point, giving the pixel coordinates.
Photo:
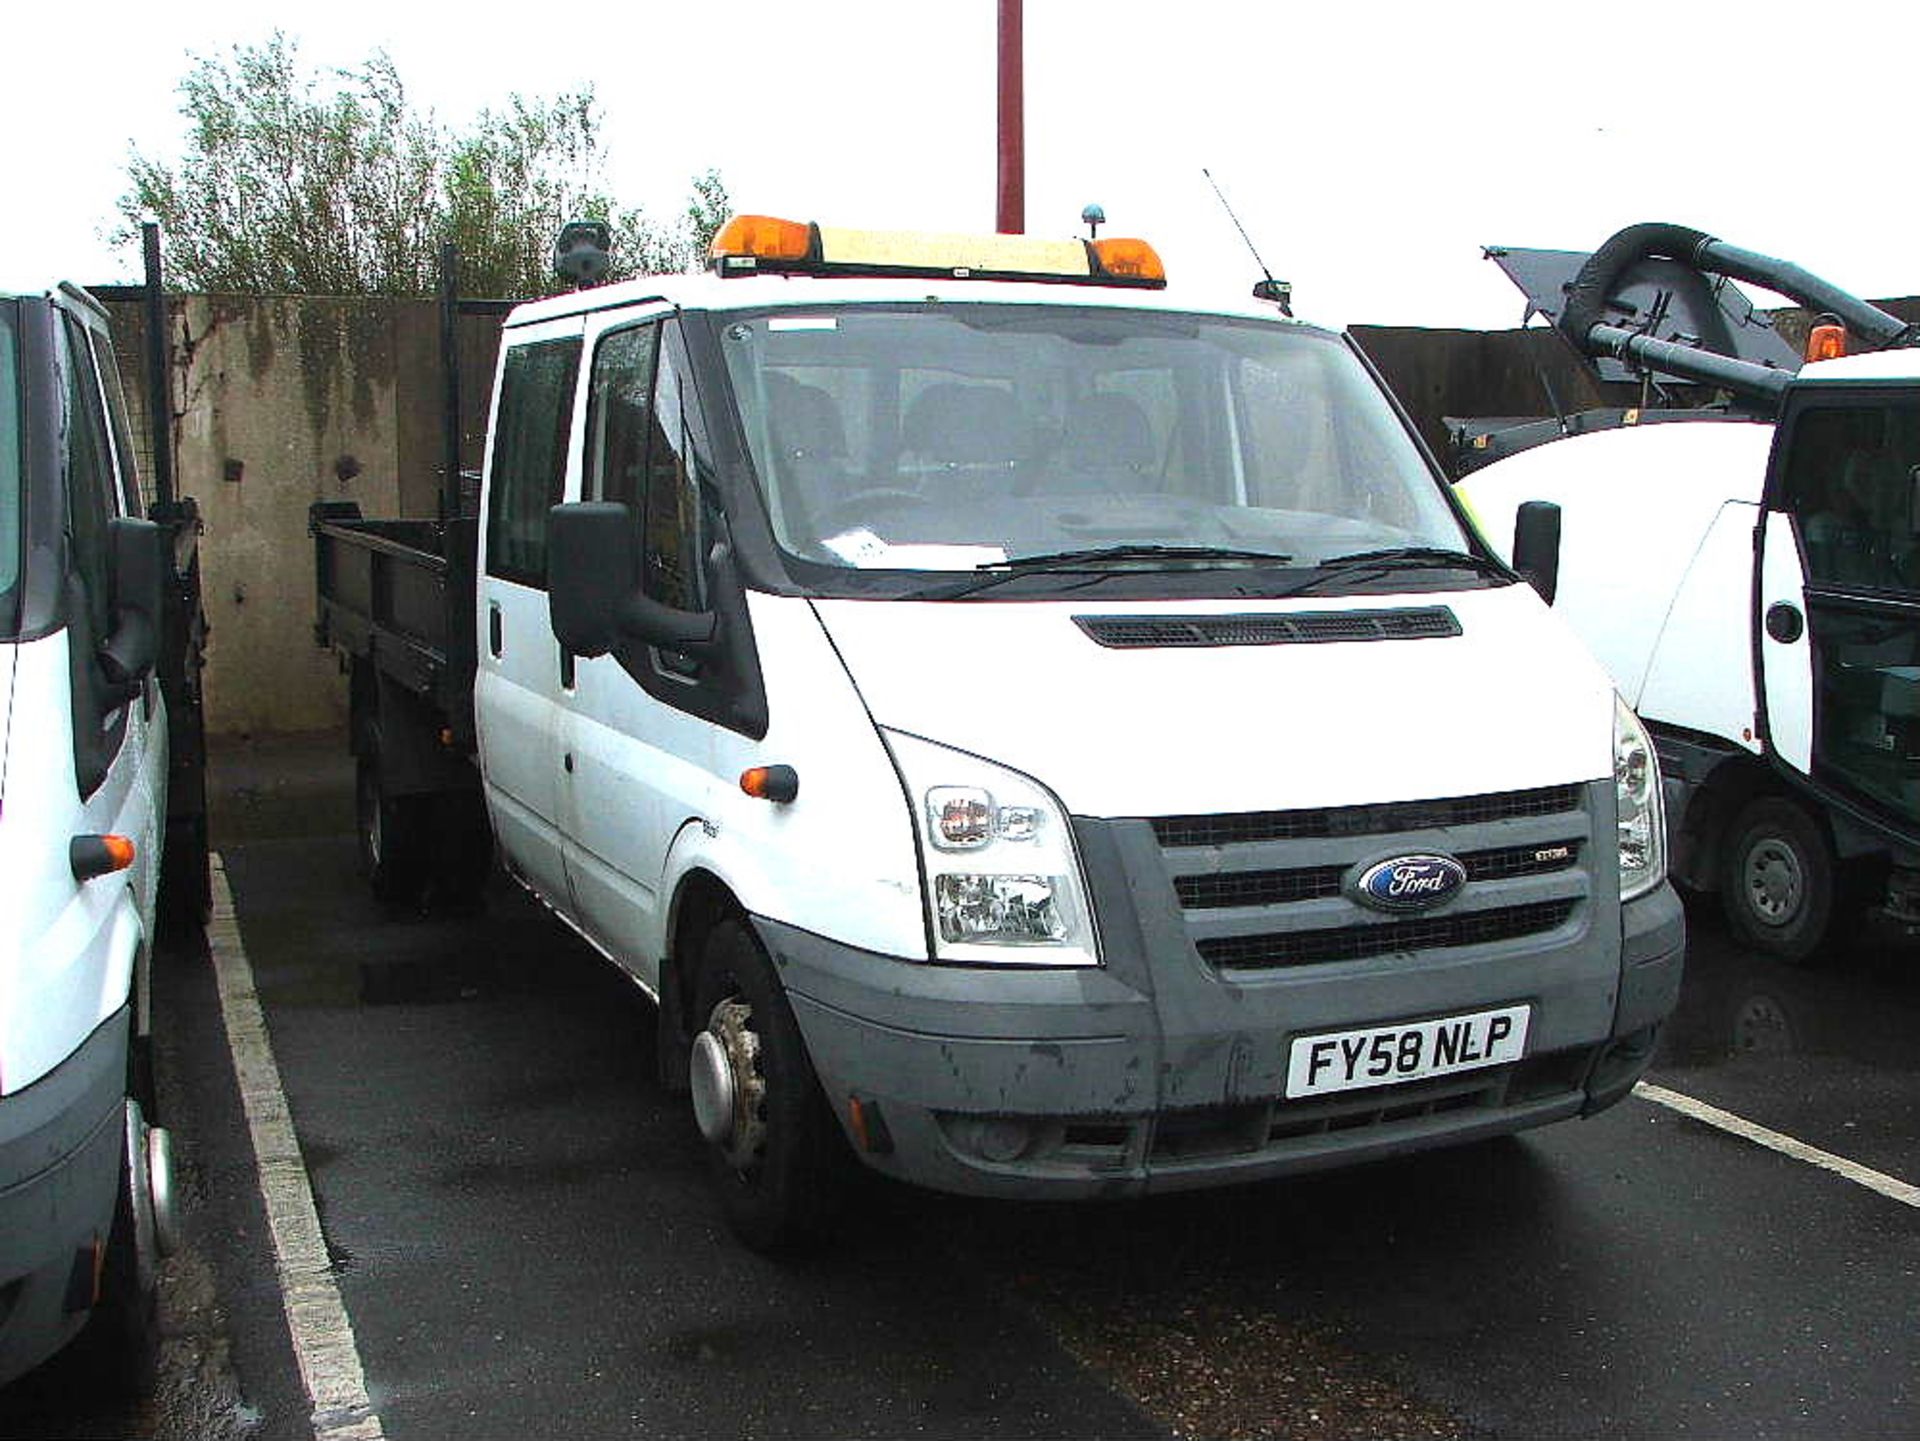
(946, 437)
(10, 466)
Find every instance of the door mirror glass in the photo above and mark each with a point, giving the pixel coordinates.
(593, 564)
(139, 558)
(1536, 546)
(593, 556)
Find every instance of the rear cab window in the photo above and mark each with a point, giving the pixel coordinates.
(529, 470)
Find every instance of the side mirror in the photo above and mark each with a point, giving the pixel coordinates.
(1536, 546)
(140, 558)
(593, 575)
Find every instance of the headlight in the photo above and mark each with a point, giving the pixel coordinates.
(1003, 879)
(1643, 817)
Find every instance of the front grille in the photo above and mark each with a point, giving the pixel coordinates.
(1249, 826)
(1126, 632)
(1277, 888)
(1273, 890)
(1259, 888)
(1353, 943)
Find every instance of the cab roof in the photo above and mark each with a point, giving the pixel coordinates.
(1900, 364)
(708, 292)
(760, 261)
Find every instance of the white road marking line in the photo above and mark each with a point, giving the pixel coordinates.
(317, 1318)
(1891, 1187)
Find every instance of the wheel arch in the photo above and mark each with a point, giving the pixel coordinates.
(1700, 847)
(701, 901)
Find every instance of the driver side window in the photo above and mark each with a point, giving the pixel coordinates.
(99, 708)
(1853, 481)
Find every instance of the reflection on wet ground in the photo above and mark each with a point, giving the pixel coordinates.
(1859, 1002)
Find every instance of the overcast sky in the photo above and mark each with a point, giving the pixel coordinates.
(1370, 149)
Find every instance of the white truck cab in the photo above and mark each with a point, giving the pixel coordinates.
(1047, 734)
(83, 777)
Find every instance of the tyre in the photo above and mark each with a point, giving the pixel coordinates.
(122, 1338)
(1777, 879)
(463, 853)
(776, 1156)
(392, 830)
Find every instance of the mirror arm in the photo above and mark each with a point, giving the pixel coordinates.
(646, 619)
(127, 658)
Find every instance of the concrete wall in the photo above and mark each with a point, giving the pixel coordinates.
(278, 402)
(281, 401)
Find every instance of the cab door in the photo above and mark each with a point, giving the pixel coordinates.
(650, 735)
(517, 682)
(141, 767)
(119, 738)
(1838, 595)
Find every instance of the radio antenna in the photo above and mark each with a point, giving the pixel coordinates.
(1277, 291)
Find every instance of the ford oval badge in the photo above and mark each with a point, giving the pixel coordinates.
(1409, 883)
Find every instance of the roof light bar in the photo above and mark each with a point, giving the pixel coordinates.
(762, 244)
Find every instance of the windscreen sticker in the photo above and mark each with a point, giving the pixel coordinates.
(857, 547)
(803, 322)
(865, 550)
(943, 557)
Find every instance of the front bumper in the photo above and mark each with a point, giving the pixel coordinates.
(1085, 1083)
(61, 1142)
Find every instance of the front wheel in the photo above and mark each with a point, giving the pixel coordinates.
(776, 1156)
(1777, 879)
(124, 1331)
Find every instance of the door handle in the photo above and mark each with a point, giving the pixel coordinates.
(493, 629)
(1785, 623)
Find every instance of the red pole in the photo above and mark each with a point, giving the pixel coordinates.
(1011, 213)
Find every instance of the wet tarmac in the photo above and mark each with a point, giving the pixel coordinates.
(519, 1223)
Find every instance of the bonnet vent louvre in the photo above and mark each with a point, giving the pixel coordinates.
(1140, 632)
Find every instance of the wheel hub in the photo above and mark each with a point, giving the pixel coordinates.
(370, 818)
(1774, 882)
(139, 1180)
(166, 1215)
(729, 1089)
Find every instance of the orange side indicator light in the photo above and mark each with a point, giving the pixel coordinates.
(779, 784)
(93, 856)
(869, 1127)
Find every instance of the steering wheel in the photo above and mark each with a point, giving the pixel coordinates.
(843, 512)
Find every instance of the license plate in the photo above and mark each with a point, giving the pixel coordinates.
(1411, 1051)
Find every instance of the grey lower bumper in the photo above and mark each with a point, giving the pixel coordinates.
(1077, 1083)
(61, 1141)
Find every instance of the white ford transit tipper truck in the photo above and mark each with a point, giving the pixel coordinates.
(84, 768)
(1747, 569)
(1045, 734)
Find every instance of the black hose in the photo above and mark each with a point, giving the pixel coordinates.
(1587, 296)
(1593, 286)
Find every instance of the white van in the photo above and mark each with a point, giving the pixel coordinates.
(1043, 732)
(83, 772)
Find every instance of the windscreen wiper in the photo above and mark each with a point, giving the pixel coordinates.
(1403, 557)
(1099, 560)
